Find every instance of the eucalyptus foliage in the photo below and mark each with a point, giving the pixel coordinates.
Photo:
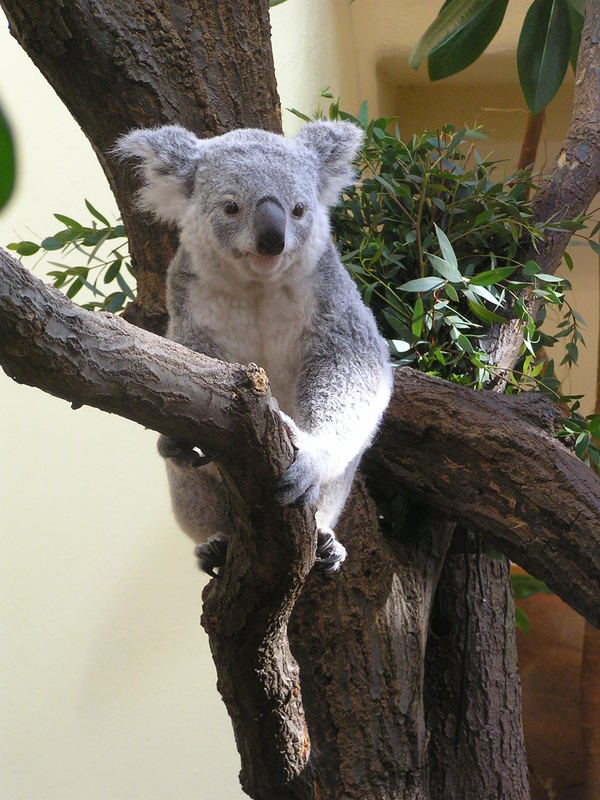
(100, 255)
(7, 161)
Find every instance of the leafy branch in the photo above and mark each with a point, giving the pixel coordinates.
(548, 41)
(102, 260)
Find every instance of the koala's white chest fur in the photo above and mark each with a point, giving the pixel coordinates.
(263, 323)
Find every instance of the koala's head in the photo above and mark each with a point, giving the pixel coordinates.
(255, 202)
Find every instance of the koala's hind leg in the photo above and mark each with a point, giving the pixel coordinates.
(331, 553)
(199, 502)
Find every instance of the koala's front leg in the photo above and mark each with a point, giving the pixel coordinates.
(301, 484)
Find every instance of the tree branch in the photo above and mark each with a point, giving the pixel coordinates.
(575, 180)
(542, 503)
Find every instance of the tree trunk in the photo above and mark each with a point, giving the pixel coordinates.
(360, 641)
(590, 712)
(205, 65)
(472, 686)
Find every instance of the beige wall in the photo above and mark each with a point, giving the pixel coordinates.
(107, 685)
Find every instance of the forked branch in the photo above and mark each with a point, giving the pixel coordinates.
(444, 443)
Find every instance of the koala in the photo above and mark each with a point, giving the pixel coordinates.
(257, 278)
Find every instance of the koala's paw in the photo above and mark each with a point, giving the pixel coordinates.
(331, 554)
(212, 554)
(183, 453)
(300, 481)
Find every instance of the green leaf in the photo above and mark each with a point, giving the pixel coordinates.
(417, 317)
(464, 344)
(491, 276)
(451, 292)
(363, 113)
(467, 44)
(543, 51)
(525, 586)
(568, 260)
(595, 246)
(400, 345)
(295, 111)
(522, 620)
(530, 268)
(395, 322)
(7, 162)
(51, 243)
(113, 270)
(446, 270)
(68, 222)
(74, 288)
(24, 248)
(115, 302)
(97, 214)
(485, 293)
(448, 253)
(484, 314)
(454, 17)
(125, 286)
(422, 284)
(543, 276)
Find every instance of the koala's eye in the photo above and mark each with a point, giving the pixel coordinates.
(298, 210)
(231, 207)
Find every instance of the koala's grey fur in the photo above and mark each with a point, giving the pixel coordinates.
(265, 284)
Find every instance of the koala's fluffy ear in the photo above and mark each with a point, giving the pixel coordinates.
(168, 158)
(334, 144)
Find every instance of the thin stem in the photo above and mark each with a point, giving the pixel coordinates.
(418, 225)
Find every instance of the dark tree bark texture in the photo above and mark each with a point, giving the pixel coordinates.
(482, 733)
(350, 721)
(120, 65)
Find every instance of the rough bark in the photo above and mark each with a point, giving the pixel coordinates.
(481, 731)
(205, 65)
(443, 453)
(574, 181)
(360, 641)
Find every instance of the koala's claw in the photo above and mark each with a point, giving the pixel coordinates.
(212, 554)
(183, 453)
(299, 483)
(201, 458)
(331, 554)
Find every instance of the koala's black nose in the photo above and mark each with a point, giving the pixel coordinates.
(269, 226)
